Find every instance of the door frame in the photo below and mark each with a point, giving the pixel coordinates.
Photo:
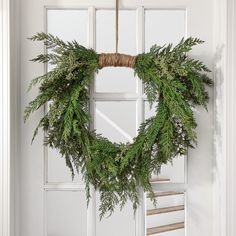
(225, 113)
(4, 119)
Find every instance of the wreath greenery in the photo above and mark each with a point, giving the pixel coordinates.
(117, 170)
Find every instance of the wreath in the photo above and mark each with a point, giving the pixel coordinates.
(117, 170)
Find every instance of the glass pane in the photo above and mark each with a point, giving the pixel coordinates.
(66, 213)
(119, 223)
(105, 31)
(58, 172)
(67, 25)
(175, 171)
(164, 26)
(116, 120)
(116, 79)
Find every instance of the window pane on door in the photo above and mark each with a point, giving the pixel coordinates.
(164, 26)
(119, 223)
(112, 79)
(174, 171)
(68, 25)
(116, 120)
(57, 171)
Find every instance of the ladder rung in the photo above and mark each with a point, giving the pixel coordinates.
(166, 193)
(156, 180)
(165, 210)
(165, 228)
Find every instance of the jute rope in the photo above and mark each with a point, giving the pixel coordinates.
(116, 59)
(117, 24)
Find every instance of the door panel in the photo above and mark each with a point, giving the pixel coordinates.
(65, 213)
(51, 204)
(120, 223)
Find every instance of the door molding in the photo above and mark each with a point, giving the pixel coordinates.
(225, 114)
(230, 126)
(5, 118)
(224, 173)
(9, 113)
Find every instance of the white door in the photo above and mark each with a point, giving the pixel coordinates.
(50, 203)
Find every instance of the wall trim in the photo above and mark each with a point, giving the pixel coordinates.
(219, 74)
(5, 118)
(9, 114)
(230, 117)
(224, 173)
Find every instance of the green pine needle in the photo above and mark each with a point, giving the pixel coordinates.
(171, 79)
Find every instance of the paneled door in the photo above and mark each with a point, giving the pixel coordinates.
(50, 203)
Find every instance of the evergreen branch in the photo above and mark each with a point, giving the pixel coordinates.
(171, 79)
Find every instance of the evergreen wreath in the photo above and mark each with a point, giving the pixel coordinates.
(170, 77)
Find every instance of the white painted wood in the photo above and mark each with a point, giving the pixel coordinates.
(179, 232)
(91, 210)
(64, 187)
(220, 74)
(9, 109)
(230, 113)
(224, 69)
(32, 196)
(199, 186)
(167, 201)
(120, 222)
(32, 179)
(230, 208)
(164, 219)
(64, 213)
(5, 158)
(141, 211)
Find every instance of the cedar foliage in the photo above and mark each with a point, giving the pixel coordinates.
(171, 78)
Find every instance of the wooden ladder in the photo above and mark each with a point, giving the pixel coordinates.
(165, 228)
(165, 210)
(168, 227)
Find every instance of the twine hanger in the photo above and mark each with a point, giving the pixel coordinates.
(116, 59)
(117, 24)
